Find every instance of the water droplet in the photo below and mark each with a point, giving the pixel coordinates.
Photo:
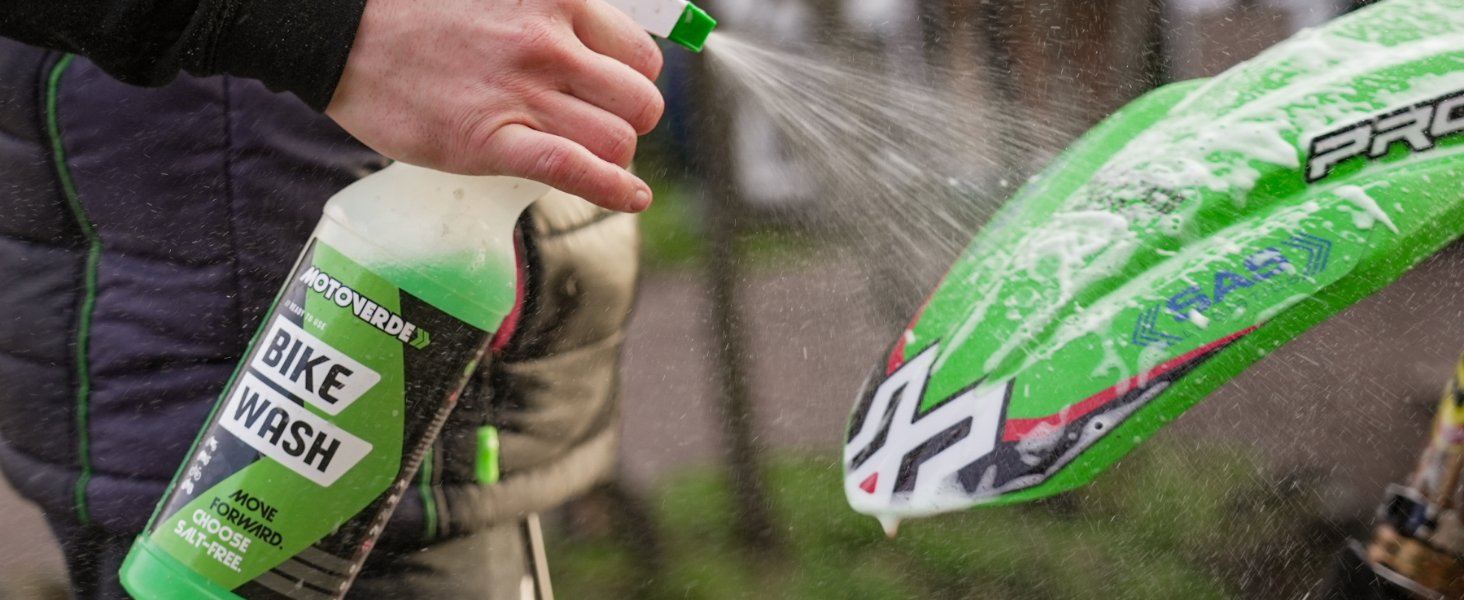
(891, 525)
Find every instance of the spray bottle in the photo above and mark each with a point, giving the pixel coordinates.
(389, 309)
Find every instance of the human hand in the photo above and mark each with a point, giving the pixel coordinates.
(550, 90)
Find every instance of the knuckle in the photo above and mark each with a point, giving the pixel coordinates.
(477, 132)
(556, 162)
(650, 113)
(569, 59)
(574, 64)
(620, 146)
(480, 149)
(650, 60)
(542, 41)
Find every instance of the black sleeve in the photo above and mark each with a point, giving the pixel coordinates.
(297, 46)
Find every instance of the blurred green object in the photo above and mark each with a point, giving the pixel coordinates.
(671, 237)
(487, 464)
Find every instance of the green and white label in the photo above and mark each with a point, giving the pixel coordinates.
(312, 443)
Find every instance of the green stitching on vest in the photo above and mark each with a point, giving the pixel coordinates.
(429, 496)
(89, 300)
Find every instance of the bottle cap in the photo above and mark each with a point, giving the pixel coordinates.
(693, 28)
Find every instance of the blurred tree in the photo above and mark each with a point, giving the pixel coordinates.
(712, 164)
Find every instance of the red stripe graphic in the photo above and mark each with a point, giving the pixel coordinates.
(897, 356)
(1017, 429)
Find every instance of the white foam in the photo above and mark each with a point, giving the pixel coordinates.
(1368, 209)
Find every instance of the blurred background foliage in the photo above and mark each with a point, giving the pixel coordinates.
(1166, 523)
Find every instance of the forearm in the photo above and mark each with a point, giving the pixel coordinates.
(290, 45)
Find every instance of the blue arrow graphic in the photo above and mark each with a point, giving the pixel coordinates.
(1144, 334)
(1318, 250)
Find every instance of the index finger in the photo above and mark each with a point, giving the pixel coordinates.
(568, 167)
(605, 30)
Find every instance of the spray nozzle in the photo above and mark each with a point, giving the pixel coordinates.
(676, 20)
(693, 28)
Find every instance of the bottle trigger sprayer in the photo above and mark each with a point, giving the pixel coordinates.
(389, 309)
(676, 20)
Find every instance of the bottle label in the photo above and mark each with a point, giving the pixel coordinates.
(312, 443)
